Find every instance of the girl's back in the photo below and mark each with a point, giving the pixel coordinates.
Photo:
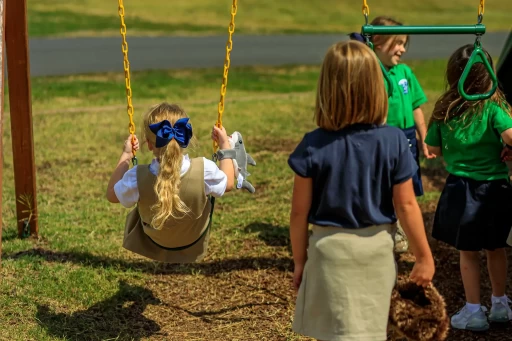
(349, 175)
(471, 143)
(469, 133)
(473, 212)
(353, 172)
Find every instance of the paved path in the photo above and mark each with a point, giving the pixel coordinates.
(88, 55)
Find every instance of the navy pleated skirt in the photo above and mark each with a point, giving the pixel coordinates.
(473, 215)
(410, 133)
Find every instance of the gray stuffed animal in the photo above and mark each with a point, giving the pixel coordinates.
(241, 161)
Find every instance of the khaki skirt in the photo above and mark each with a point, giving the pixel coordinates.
(347, 282)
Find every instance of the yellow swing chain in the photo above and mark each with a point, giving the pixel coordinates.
(124, 47)
(366, 9)
(227, 63)
(481, 9)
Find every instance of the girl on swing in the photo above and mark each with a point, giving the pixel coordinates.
(171, 220)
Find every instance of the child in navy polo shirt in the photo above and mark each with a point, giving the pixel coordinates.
(351, 175)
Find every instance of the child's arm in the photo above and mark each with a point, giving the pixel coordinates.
(301, 203)
(435, 150)
(421, 128)
(409, 214)
(433, 141)
(220, 136)
(122, 167)
(506, 135)
(506, 153)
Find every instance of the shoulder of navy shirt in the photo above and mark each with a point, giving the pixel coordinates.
(353, 171)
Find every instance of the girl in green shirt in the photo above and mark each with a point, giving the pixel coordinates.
(473, 212)
(407, 97)
(404, 103)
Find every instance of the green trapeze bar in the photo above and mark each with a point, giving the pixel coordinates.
(448, 29)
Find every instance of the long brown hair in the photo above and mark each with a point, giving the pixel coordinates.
(167, 185)
(451, 104)
(350, 88)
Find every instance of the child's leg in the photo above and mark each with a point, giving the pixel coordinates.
(471, 316)
(497, 266)
(470, 272)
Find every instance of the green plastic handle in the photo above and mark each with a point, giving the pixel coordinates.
(478, 56)
(384, 73)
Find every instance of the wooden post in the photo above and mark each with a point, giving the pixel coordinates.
(18, 68)
(2, 39)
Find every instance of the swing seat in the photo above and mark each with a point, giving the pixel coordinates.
(417, 313)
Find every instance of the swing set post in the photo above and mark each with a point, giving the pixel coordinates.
(18, 67)
(2, 77)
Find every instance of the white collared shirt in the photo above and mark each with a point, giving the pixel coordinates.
(215, 181)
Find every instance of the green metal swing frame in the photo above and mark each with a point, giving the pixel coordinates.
(478, 55)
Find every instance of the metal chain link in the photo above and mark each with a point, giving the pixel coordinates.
(227, 63)
(481, 9)
(366, 11)
(126, 63)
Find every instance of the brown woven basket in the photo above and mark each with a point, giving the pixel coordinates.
(417, 313)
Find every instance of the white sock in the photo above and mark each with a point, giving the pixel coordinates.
(473, 308)
(502, 299)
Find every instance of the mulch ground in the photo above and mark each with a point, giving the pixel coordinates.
(448, 282)
(447, 279)
(246, 298)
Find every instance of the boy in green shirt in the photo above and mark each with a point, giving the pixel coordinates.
(473, 212)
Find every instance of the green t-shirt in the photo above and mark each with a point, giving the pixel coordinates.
(407, 95)
(472, 146)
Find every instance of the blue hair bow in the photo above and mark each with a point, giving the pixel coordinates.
(165, 132)
(357, 36)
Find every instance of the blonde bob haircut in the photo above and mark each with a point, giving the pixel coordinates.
(350, 88)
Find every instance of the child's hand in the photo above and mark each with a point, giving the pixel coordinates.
(131, 145)
(506, 154)
(427, 153)
(297, 276)
(220, 136)
(423, 272)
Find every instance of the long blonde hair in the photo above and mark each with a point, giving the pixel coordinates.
(167, 185)
(350, 88)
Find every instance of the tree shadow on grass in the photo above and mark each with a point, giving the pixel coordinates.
(118, 318)
(272, 235)
(206, 268)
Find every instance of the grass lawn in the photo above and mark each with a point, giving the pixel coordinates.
(76, 282)
(163, 17)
